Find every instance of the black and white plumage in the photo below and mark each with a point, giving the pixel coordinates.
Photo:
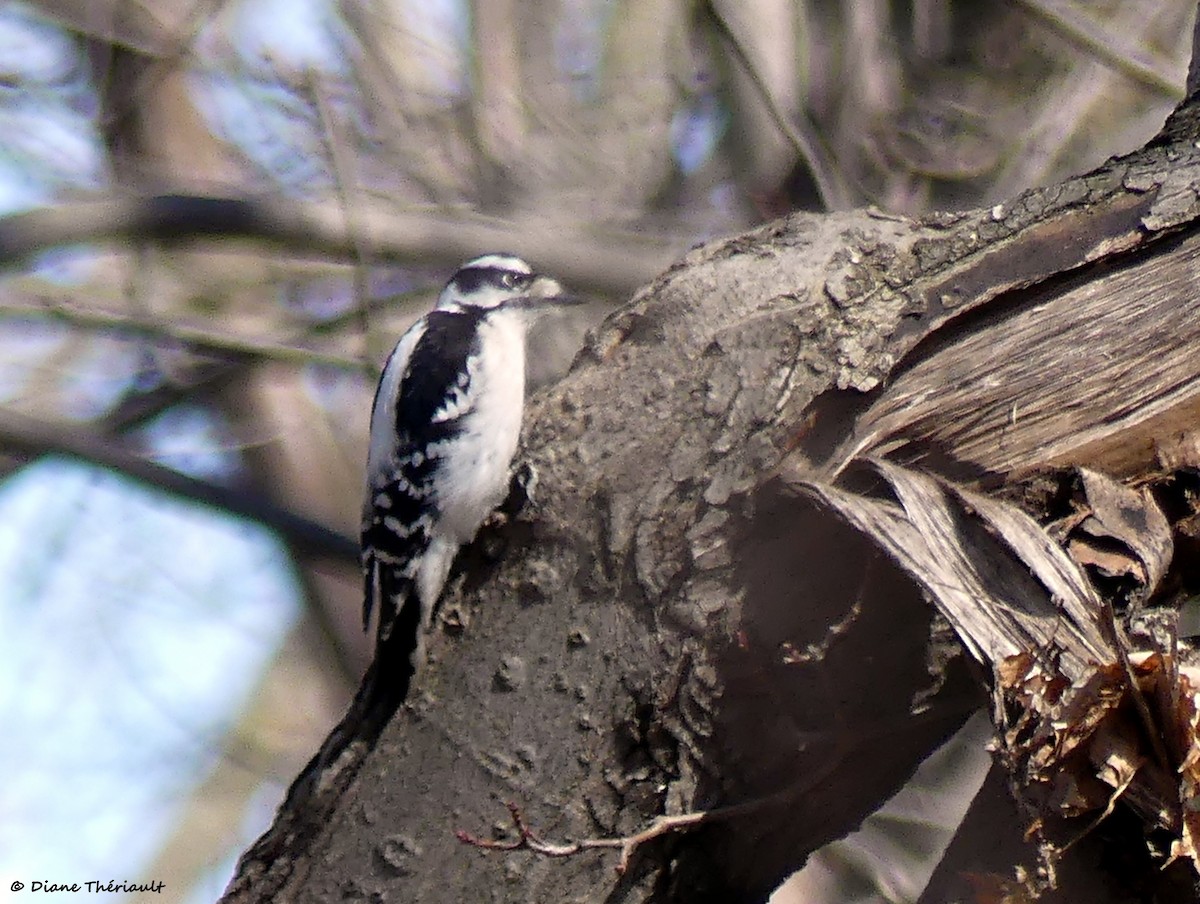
(444, 430)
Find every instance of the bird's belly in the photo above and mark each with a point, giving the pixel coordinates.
(478, 483)
(486, 446)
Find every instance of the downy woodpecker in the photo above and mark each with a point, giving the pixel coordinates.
(444, 430)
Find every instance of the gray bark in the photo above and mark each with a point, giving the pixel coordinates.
(671, 627)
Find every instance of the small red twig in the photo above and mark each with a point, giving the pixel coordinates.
(529, 840)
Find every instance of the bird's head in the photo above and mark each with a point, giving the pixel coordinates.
(493, 280)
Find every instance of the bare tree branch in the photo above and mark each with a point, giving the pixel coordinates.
(346, 182)
(1080, 27)
(32, 437)
(836, 193)
(165, 332)
(602, 261)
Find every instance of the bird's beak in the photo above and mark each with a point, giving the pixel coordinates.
(546, 291)
(545, 287)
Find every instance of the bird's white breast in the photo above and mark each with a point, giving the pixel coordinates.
(477, 474)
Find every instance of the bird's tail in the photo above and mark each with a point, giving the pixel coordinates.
(397, 637)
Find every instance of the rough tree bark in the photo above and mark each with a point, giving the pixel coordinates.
(673, 626)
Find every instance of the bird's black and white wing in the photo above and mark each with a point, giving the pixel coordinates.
(422, 399)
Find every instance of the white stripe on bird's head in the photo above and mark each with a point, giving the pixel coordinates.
(487, 282)
(499, 261)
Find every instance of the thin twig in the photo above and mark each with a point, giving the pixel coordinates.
(528, 839)
(1120, 643)
(1081, 28)
(835, 192)
(206, 376)
(391, 101)
(165, 332)
(344, 181)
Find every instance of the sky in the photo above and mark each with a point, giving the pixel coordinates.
(133, 628)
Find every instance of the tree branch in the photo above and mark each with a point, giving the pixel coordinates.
(348, 195)
(32, 437)
(167, 332)
(1077, 25)
(835, 192)
(604, 261)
